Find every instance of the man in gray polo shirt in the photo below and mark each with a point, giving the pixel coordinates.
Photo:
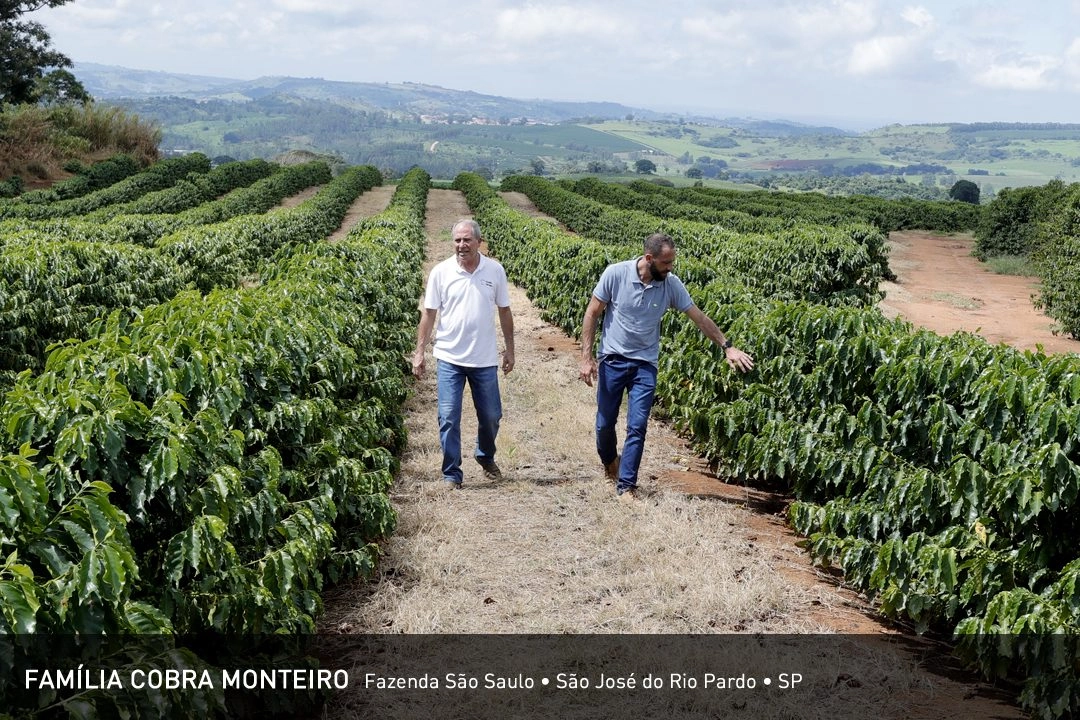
(631, 297)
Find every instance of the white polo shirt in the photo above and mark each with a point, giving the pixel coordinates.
(466, 302)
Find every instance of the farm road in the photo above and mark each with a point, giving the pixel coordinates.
(940, 286)
(550, 550)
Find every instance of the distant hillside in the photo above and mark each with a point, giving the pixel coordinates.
(397, 125)
(107, 82)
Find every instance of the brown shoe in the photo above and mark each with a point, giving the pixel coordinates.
(629, 496)
(611, 470)
(491, 470)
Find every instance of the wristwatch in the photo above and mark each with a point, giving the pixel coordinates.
(726, 344)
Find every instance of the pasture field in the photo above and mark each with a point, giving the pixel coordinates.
(1009, 158)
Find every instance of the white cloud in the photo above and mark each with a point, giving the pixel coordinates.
(307, 6)
(794, 40)
(93, 17)
(716, 27)
(905, 45)
(538, 23)
(1029, 73)
(1070, 68)
(823, 52)
(918, 16)
(381, 40)
(879, 54)
(549, 41)
(797, 25)
(823, 23)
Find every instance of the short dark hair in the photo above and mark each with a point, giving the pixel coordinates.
(655, 243)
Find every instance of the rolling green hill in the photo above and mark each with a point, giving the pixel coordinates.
(397, 125)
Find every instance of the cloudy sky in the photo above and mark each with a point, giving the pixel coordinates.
(856, 63)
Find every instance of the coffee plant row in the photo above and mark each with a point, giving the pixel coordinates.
(836, 265)
(195, 189)
(147, 228)
(211, 462)
(157, 177)
(940, 474)
(684, 204)
(51, 288)
(87, 179)
(770, 208)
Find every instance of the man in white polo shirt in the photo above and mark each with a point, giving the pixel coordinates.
(464, 291)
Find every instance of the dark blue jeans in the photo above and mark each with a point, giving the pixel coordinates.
(637, 378)
(484, 385)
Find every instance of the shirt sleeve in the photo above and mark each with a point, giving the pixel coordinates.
(604, 286)
(502, 289)
(680, 296)
(432, 299)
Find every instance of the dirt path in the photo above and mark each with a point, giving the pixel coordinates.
(370, 202)
(940, 286)
(294, 200)
(551, 550)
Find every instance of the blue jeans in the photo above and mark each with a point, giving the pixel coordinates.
(484, 385)
(637, 378)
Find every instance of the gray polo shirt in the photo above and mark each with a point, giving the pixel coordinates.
(632, 317)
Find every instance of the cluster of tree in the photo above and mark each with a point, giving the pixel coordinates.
(829, 169)
(889, 188)
(673, 132)
(965, 191)
(25, 55)
(601, 167)
(1040, 224)
(707, 167)
(271, 124)
(45, 112)
(644, 167)
(717, 141)
(997, 149)
(966, 152)
(983, 143)
(981, 127)
(265, 119)
(1011, 223)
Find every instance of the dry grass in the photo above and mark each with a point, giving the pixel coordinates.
(962, 302)
(520, 557)
(36, 142)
